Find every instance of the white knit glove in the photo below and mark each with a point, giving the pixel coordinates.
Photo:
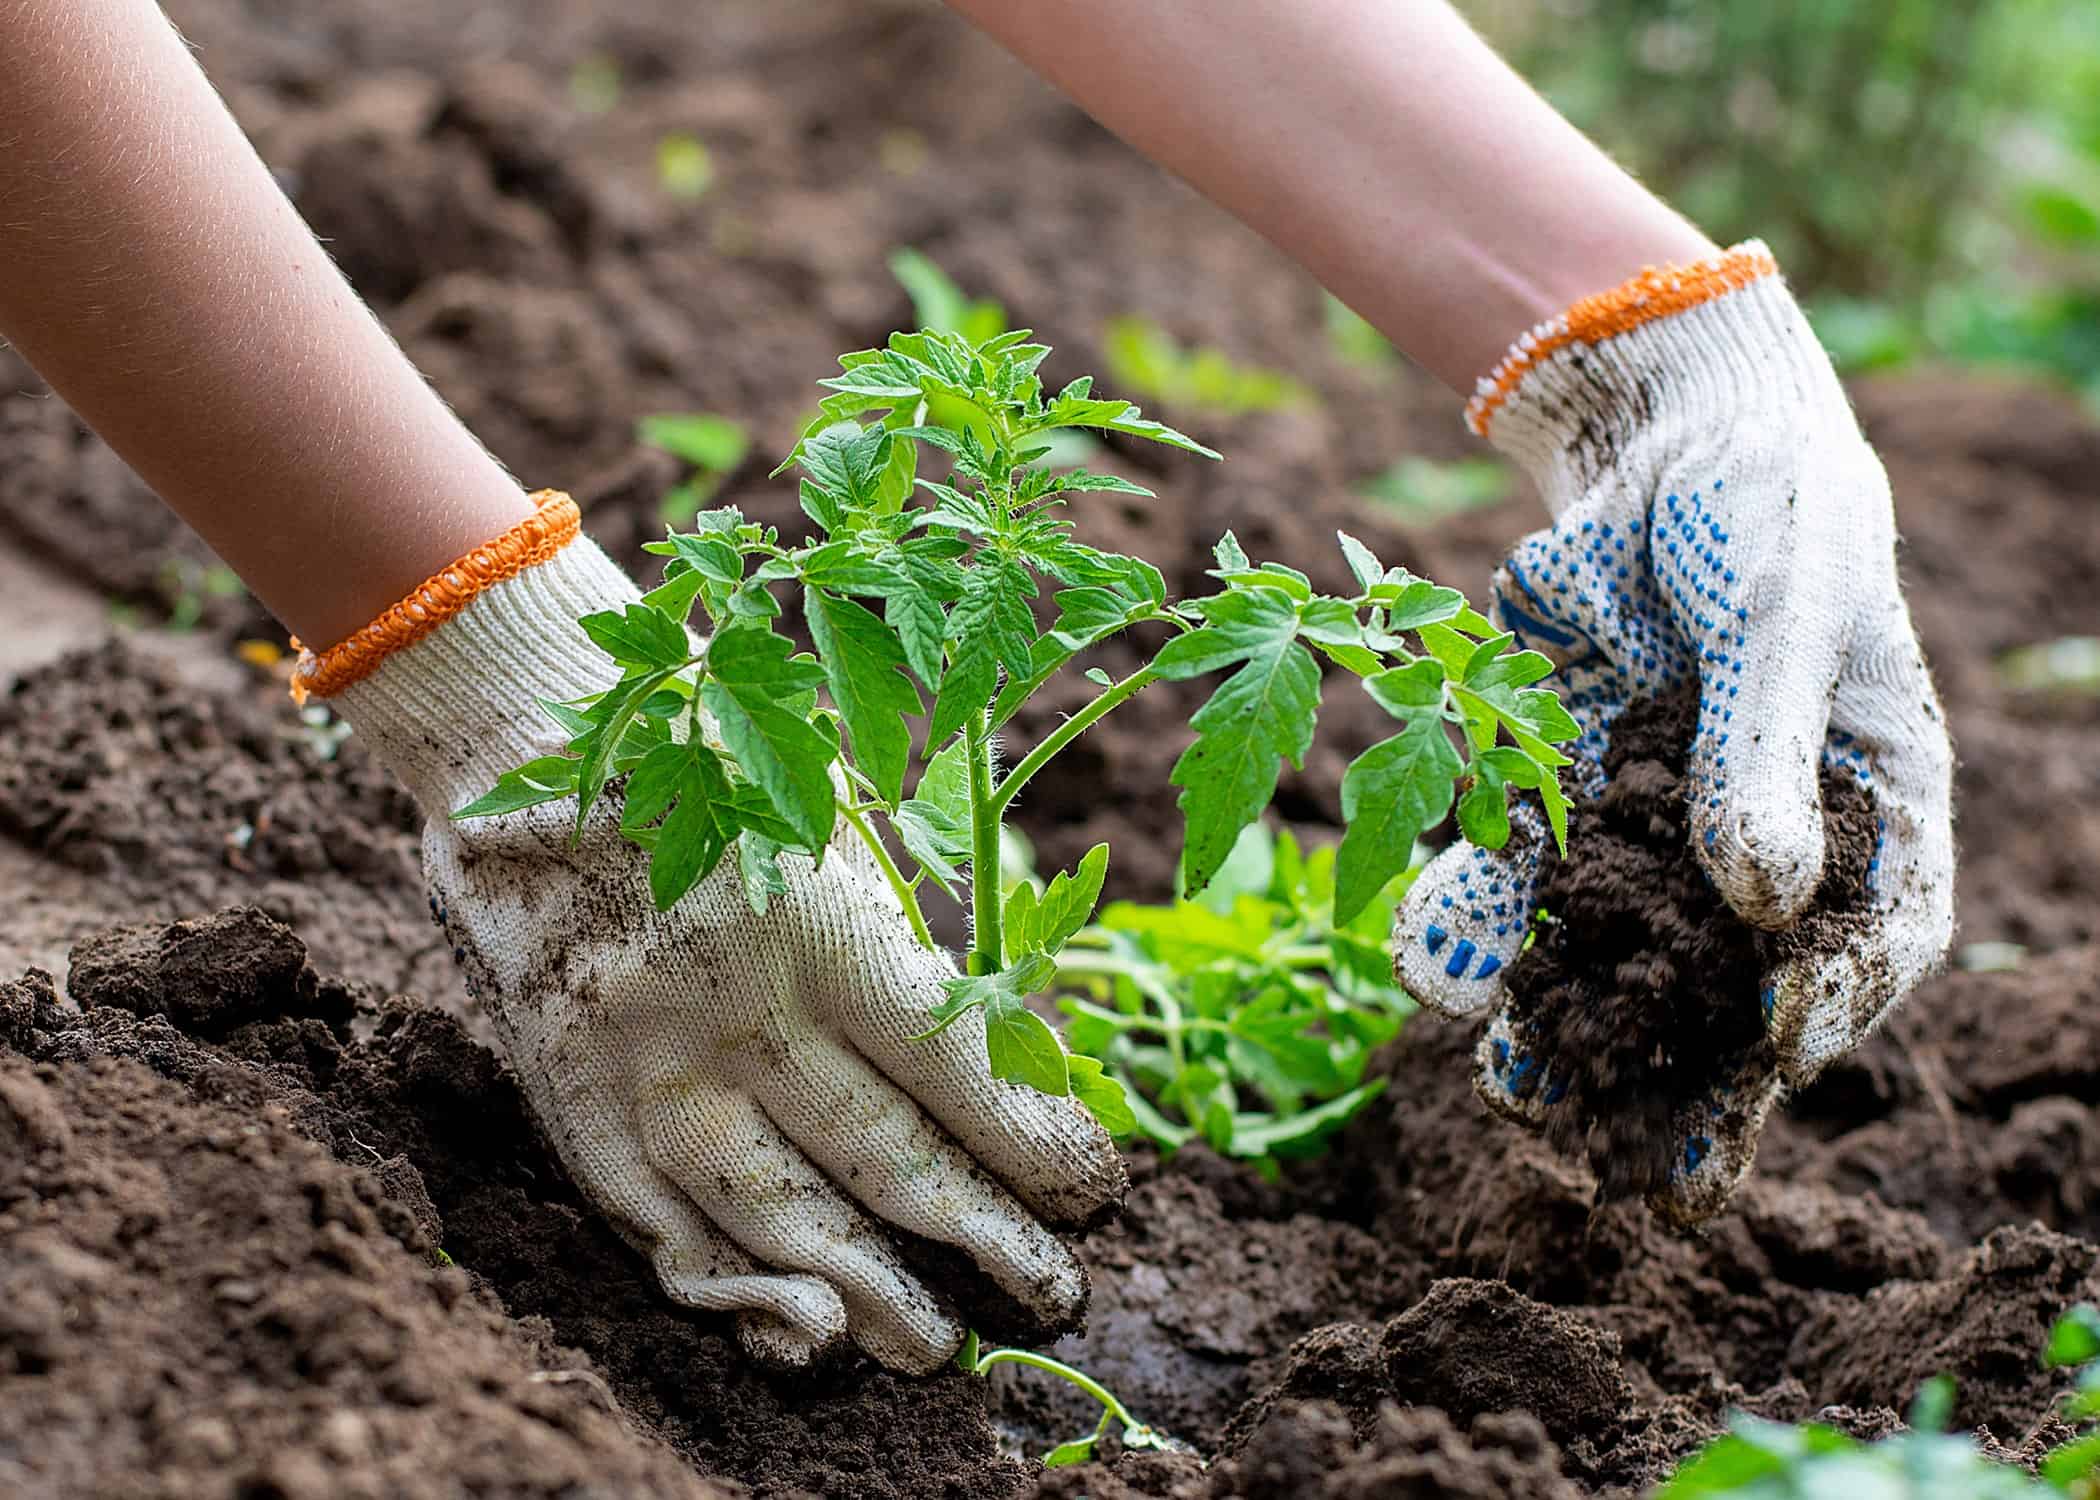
(1718, 516)
(738, 1094)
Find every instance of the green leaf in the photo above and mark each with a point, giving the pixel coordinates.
(1019, 1043)
(639, 636)
(547, 779)
(1391, 794)
(1405, 692)
(1074, 1451)
(1546, 715)
(2074, 1461)
(2074, 1339)
(1102, 1096)
(938, 844)
(846, 461)
(702, 439)
(758, 866)
(753, 676)
(990, 626)
(1017, 925)
(610, 716)
(696, 833)
(1363, 562)
(2062, 216)
(1069, 900)
(1111, 416)
(1260, 716)
(1419, 603)
(1260, 1137)
(1331, 622)
(864, 668)
(652, 786)
(1483, 809)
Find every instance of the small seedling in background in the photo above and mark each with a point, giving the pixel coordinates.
(189, 587)
(974, 1360)
(902, 152)
(712, 445)
(1248, 993)
(777, 748)
(1147, 359)
(1761, 1460)
(1422, 490)
(938, 304)
(595, 84)
(1354, 339)
(2069, 666)
(685, 168)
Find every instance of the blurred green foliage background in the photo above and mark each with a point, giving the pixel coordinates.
(1928, 171)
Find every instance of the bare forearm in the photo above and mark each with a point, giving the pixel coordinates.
(1379, 143)
(152, 272)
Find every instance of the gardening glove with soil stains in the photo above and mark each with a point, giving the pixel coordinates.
(740, 1095)
(1721, 528)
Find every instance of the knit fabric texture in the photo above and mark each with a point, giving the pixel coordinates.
(739, 1093)
(1720, 520)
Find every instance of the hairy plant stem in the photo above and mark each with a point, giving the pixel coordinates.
(987, 948)
(1070, 730)
(899, 886)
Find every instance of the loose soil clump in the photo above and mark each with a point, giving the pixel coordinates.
(1642, 990)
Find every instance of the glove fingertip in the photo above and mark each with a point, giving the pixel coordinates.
(1461, 927)
(778, 1344)
(1766, 862)
(1719, 1148)
(1511, 1080)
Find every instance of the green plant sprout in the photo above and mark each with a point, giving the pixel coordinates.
(712, 445)
(974, 1360)
(1146, 358)
(743, 742)
(1251, 991)
(189, 587)
(685, 168)
(1763, 1460)
(1353, 337)
(942, 306)
(595, 84)
(1421, 489)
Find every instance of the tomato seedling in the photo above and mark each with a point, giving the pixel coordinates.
(918, 591)
(1246, 1016)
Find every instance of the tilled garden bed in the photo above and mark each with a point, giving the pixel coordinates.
(272, 1218)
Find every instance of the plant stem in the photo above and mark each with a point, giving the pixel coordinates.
(987, 950)
(899, 886)
(1069, 731)
(1044, 1362)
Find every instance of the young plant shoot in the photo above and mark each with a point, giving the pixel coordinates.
(936, 529)
(1244, 1017)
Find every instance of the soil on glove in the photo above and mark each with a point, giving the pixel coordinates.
(1642, 988)
(266, 1082)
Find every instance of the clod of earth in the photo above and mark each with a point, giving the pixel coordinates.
(1644, 988)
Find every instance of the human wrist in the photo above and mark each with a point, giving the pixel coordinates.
(446, 686)
(1683, 352)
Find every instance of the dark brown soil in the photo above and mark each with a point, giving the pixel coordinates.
(1929, 1204)
(1643, 990)
(197, 1299)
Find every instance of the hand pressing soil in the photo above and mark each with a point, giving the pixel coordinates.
(1643, 990)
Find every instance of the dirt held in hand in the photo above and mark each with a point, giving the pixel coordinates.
(1643, 989)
